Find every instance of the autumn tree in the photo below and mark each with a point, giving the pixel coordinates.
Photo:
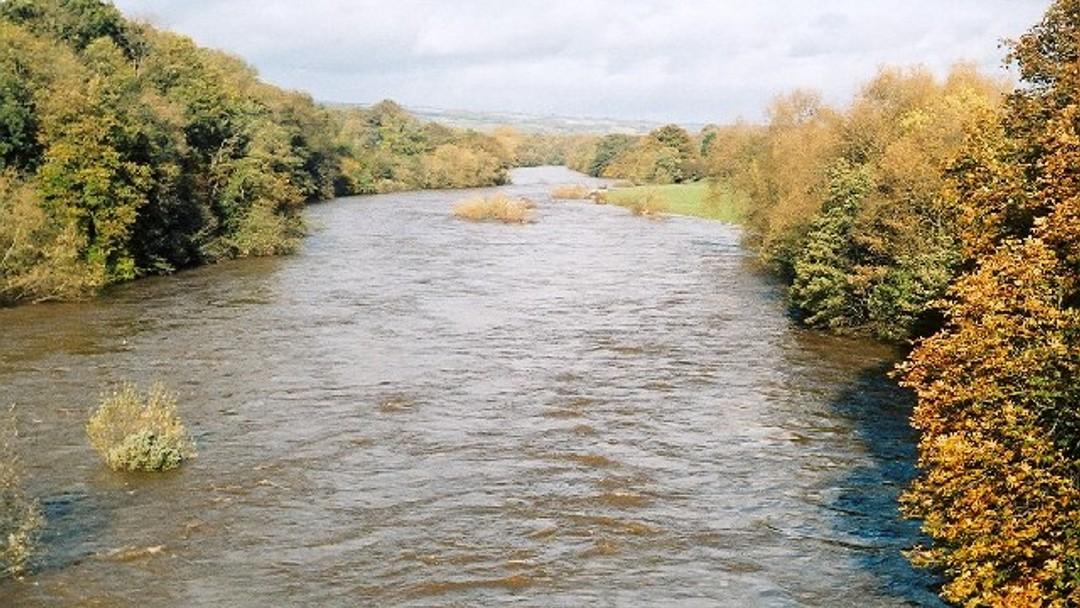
(894, 250)
(998, 388)
(788, 180)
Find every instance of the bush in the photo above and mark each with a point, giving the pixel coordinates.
(495, 208)
(20, 516)
(133, 432)
(265, 232)
(648, 204)
(574, 192)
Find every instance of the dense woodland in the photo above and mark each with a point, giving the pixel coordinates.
(943, 213)
(126, 151)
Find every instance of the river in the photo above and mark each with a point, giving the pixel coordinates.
(593, 409)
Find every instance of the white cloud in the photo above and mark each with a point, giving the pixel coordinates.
(690, 60)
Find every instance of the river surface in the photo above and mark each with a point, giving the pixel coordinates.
(595, 409)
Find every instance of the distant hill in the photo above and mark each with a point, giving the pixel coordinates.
(532, 123)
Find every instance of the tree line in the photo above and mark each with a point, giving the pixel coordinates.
(126, 150)
(946, 212)
(666, 155)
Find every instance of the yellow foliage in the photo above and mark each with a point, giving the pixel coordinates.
(136, 432)
(576, 191)
(499, 208)
(998, 387)
(648, 204)
(40, 257)
(998, 495)
(455, 166)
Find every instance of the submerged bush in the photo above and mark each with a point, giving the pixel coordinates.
(576, 191)
(20, 516)
(133, 432)
(499, 208)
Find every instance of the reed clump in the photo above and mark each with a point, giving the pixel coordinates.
(498, 208)
(571, 192)
(648, 204)
(137, 432)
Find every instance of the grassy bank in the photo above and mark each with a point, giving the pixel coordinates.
(695, 199)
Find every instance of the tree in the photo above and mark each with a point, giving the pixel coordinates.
(823, 288)
(74, 22)
(998, 388)
(18, 124)
(608, 149)
(898, 249)
(788, 182)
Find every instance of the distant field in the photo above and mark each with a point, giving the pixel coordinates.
(531, 123)
(687, 199)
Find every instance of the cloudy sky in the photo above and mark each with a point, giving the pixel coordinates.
(689, 60)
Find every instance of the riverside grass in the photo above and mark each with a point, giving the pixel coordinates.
(698, 199)
(497, 208)
(136, 432)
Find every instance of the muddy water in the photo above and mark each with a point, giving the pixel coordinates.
(595, 409)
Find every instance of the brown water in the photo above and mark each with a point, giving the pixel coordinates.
(596, 409)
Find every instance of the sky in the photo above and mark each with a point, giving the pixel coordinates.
(688, 61)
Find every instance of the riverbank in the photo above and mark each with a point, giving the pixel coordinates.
(696, 199)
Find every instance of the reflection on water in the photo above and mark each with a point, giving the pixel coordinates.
(414, 411)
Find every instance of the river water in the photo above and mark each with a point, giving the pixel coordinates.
(593, 409)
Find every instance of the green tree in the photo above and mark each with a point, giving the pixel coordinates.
(822, 288)
(77, 23)
(18, 123)
(609, 148)
(108, 154)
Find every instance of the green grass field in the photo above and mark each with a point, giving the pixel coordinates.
(687, 199)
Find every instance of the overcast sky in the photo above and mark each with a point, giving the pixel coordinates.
(689, 61)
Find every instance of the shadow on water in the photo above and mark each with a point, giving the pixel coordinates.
(867, 507)
(72, 521)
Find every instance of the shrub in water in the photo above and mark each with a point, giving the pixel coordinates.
(133, 432)
(495, 208)
(20, 517)
(570, 192)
